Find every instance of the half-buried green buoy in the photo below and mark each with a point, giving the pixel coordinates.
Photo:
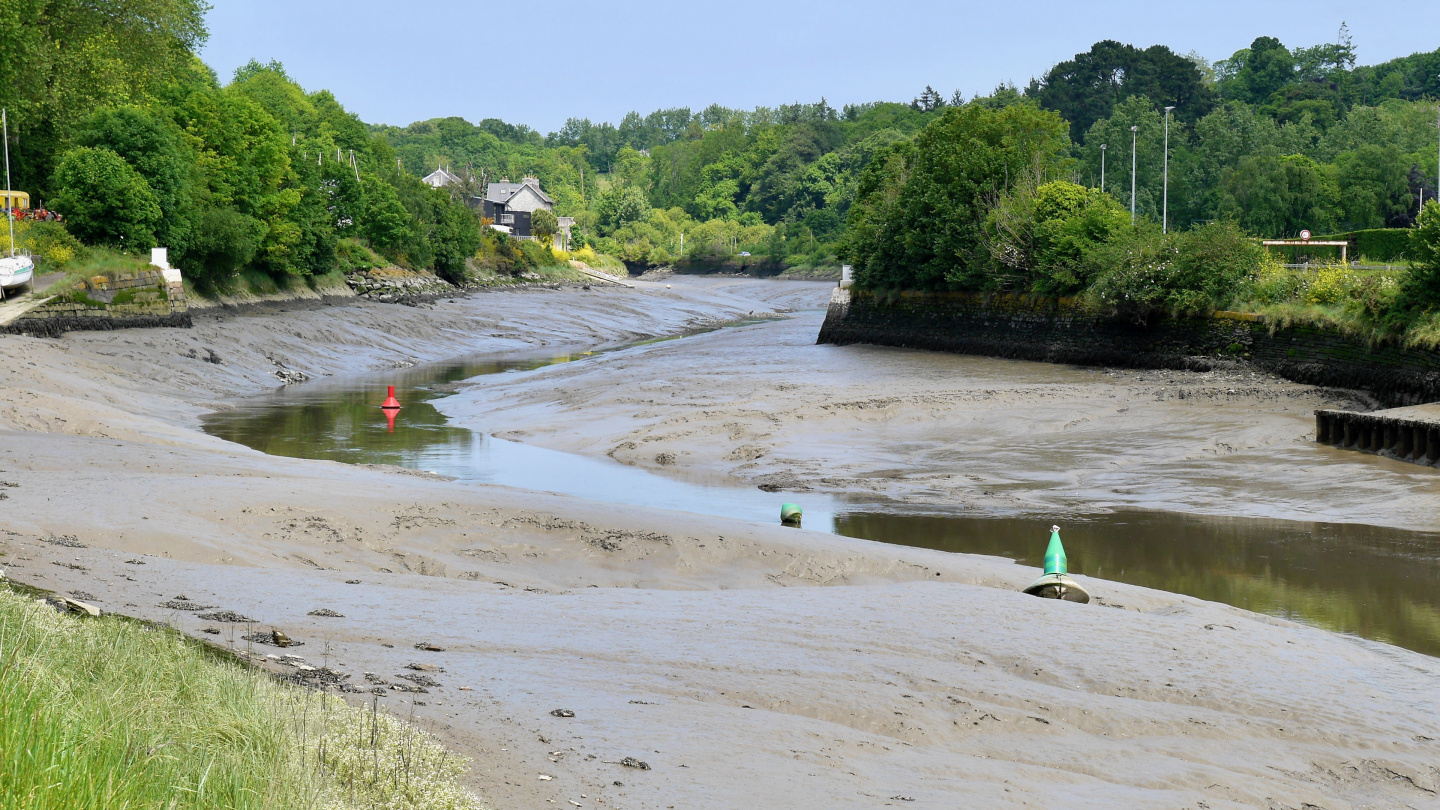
(1056, 583)
(790, 514)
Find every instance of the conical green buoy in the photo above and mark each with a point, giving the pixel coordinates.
(1056, 582)
(790, 514)
(1055, 562)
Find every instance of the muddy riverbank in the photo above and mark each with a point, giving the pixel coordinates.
(702, 645)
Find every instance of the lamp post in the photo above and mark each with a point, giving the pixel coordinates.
(1134, 136)
(1165, 197)
(1102, 167)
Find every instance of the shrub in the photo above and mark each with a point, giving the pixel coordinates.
(49, 243)
(1142, 273)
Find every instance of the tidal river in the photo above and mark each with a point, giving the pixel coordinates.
(1202, 484)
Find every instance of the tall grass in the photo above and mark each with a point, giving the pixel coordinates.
(112, 713)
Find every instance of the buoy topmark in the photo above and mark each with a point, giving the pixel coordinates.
(391, 403)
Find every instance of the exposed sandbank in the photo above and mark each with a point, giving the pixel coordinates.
(702, 647)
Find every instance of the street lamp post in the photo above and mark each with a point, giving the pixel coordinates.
(1165, 200)
(1134, 139)
(1102, 167)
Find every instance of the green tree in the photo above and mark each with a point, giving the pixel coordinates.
(919, 212)
(618, 206)
(1040, 236)
(1420, 289)
(225, 241)
(105, 200)
(155, 147)
(1087, 88)
(1253, 74)
(544, 225)
(454, 239)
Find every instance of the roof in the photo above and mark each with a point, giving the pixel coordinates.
(502, 192)
(440, 177)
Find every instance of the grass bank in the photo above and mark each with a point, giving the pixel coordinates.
(115, 713)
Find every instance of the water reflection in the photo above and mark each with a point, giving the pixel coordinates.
(1378, 583)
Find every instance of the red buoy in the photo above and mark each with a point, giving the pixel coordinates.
(391, 403)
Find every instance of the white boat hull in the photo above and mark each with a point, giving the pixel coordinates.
(16, 271)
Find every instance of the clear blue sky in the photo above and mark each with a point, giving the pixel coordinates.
(542, 61)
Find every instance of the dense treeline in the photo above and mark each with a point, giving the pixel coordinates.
(1272, 139)
(119, 126)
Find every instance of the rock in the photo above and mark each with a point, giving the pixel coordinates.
(562, 713)
(352, 582)
(326, 612)
(214, 631)
(424, 667)
(226, 616)
(76, 606)
(428, 647)
(545, 778)
(632, 762)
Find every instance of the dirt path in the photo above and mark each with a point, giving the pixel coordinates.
(705, 647)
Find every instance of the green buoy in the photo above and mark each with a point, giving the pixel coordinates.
(1056, 582)
(790, 514)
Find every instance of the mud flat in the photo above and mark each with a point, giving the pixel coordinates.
(745, 664)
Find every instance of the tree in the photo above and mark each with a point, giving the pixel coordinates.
(1253, 74)
(62, 59)
(388, 226)
(1087, 88)
(1420, 289)
(454, 239)
(618, 206)
(155, 148)
(929, 100)
(544, 225)
(106, 201)
(225, 241)
(918, 216)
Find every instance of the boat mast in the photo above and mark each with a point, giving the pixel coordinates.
(9, 207)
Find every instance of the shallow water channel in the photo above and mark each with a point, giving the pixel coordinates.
(1370, 581)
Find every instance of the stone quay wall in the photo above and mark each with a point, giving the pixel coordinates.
(127, 301)
(1056, 330)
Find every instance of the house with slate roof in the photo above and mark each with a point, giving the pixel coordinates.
(509, 205)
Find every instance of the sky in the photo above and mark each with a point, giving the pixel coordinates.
(539, 63)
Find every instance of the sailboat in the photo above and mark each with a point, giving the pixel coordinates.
(16, 269)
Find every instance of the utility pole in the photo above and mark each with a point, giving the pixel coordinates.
(1134, 139)
(1165, 204)
(1102, 166)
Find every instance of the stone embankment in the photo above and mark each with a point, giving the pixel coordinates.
(1056, 330)
(393, 285)
(125, 301)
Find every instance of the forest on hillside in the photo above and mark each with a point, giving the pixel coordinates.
(117, 124)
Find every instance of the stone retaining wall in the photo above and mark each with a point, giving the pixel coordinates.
(131, 300)
(1055, 330)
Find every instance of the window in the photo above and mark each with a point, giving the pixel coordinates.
(507, 219)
